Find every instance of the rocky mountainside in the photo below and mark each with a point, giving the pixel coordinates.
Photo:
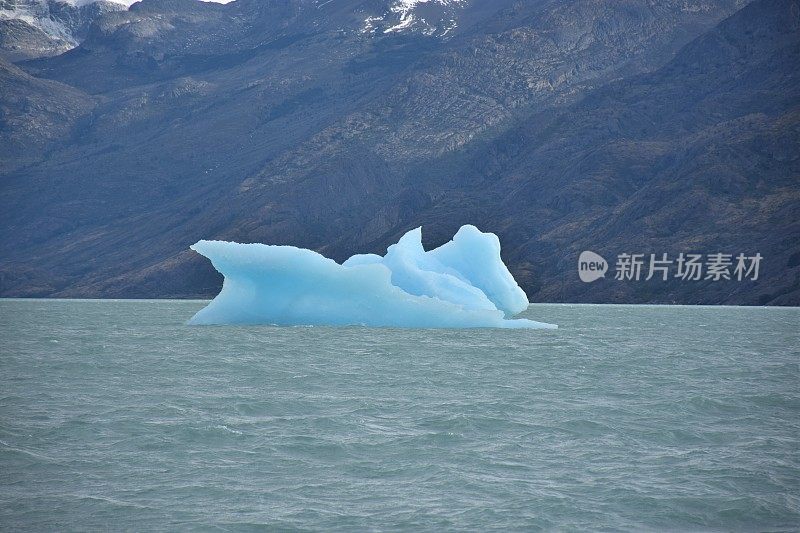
(40, 28)
(619, 127)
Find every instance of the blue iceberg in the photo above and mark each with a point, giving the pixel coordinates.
(461, 284)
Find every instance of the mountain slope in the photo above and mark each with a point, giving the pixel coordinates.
(41, 28)
(700, 155)
(559, 125)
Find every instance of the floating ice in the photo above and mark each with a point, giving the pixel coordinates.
(461, 284)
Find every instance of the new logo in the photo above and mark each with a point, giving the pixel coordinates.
(591, 266)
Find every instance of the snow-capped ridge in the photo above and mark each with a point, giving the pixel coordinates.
(430, 17)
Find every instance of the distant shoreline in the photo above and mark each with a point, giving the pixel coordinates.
(582, 304)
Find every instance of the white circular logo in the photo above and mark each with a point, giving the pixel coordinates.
(591, 266)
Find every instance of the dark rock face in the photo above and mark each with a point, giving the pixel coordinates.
(618, 127)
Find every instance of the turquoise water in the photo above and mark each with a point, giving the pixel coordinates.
(115, 415)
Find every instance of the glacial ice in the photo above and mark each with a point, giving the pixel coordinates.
(461, 284)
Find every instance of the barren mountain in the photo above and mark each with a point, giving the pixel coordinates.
(40, 28)
(620, 127)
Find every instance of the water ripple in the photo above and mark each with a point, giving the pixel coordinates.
(115, 415)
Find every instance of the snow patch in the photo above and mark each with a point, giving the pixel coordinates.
(403, 16)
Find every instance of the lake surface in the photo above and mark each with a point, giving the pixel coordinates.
(116, 415)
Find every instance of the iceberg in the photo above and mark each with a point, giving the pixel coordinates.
(461, 284)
